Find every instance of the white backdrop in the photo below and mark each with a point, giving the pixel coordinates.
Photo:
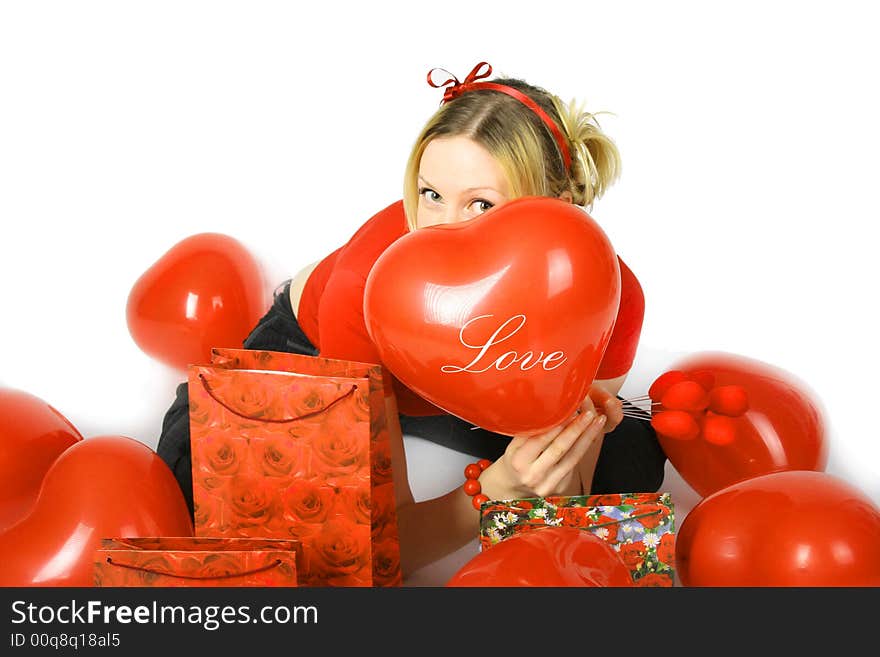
(747, 206)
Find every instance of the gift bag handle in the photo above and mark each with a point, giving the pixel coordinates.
(156, 571)
(590, 528)
(263, 419)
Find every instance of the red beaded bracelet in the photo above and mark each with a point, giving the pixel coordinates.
(472, 482)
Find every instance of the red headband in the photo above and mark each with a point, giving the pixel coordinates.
(454, 89)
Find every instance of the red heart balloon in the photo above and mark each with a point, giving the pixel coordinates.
(101, 487)
(555, 556)
(782, 428)
(32, 435)
(501, 320)
(206, 291)
(795, 528)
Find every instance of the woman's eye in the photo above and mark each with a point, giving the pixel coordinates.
(482, 206)
(429, 194)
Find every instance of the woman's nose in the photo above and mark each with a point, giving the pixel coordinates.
(453, 215)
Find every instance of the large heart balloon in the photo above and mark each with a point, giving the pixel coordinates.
(101, 487)
(501, 320)
(779, 426)
(32, 435)
(794, 528)
(206, 291)
(552, 556)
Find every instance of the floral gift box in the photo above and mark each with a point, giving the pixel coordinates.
(640, 526)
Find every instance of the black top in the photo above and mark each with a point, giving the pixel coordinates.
(630, 461)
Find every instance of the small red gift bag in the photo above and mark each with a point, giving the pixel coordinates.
(188, 561)
(640, 526)
(293, 446)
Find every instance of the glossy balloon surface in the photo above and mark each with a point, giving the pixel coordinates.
(101, 487)
(501, 320)
(795, 528)
(781, 425)
(205, 292)
(556, 556)
(32, 435)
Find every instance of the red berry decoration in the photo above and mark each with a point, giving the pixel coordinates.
(479, 500)
(732, 401)
(685, 396)
(664, 382)
(705, 378)
(675, 424)
(472, 486)
(472, 471)
(719, 430)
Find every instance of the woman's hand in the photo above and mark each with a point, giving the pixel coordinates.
(546, 464)
(601, 400)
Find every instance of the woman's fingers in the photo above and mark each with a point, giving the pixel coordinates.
(528, 448)
(577, 452)
(560, 446)
(608, 404)
(540, 463)
(613, 409)
(587, 405)
(599, 396)
(553, 444)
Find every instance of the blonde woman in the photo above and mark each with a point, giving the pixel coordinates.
(490, 142)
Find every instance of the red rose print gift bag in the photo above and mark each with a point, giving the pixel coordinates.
(188, 561)
(296, 447)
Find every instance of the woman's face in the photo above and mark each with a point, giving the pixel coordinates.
(458, 180)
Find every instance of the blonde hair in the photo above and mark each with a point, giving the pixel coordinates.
(523, 145)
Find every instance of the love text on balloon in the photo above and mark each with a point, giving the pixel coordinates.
(526, 361)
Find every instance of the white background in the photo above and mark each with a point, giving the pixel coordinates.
(747, 207)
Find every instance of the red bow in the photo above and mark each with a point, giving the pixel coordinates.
(454, 88)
